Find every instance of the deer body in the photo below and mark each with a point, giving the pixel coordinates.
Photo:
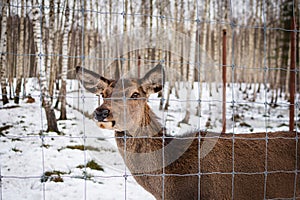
(250, 156)
(242, 166)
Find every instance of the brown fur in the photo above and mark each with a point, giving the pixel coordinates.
(30, 99)
(173, 168)
(217, 166)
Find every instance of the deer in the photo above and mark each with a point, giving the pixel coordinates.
(197, 164)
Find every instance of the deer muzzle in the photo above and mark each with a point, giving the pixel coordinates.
(102, 116)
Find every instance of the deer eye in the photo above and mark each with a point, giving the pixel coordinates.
(135, 95)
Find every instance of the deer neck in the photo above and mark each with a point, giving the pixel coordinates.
(140, 154)
(145, 124)
(148, 124)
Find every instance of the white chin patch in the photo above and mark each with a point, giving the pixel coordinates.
(105, 125)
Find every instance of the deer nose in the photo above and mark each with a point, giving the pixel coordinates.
(101, 114)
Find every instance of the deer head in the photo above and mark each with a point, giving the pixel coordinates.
(124, 106)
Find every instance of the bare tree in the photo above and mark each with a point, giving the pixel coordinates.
(81, 38)
(65, 49)
(40, 49)
(20, 58)
(191, 69)
(51, 58)
(3, 45)
(56, 64)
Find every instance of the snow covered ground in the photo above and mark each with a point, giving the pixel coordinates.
(37, 165)
(25, 156)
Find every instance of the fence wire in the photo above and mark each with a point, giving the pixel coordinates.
(234, 102)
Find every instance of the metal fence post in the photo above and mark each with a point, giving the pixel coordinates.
(224, 82)
(292, 78)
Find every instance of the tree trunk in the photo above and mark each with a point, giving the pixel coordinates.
(63, 112)
(3, 88)
(3, 45)
(20, 59)
(191, 69)
(51, 61)
(18, 90)
(46, 99)
(51, 119)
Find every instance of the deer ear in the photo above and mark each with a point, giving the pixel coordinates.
(91, 81)
(153, 81)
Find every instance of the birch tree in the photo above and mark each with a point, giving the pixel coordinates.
(20, 57)
(57, 49)
(191, 70)
(10, 67)
(3, 45)
(26, 48)
(67, 25)
(257, 39)
(45, 97)
(50, 61)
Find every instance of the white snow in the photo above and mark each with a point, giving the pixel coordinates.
(25, 155)
(23, 160)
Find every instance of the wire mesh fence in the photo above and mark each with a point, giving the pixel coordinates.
(43, 41)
